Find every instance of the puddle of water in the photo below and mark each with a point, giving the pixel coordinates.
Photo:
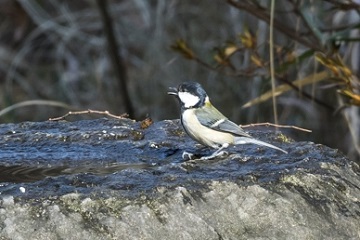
(23, 174)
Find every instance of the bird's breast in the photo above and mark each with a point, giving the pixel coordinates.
(202, 134)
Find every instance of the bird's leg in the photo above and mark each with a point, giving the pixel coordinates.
(187, 156)
(217, 153)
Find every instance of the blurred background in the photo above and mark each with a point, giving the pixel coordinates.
(121, 56)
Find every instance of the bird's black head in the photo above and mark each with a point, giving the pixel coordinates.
(190, 95)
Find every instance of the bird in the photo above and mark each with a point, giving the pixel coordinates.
(207, 125)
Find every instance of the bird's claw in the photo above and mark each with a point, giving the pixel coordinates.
(214, 155)
(190, 156)
(187, 156)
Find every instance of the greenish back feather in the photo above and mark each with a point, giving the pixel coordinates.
(209, 116)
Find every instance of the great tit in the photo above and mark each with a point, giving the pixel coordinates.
(205, 124)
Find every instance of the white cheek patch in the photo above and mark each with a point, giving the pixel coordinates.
(188, 99)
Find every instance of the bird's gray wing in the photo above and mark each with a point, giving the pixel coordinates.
(229, 126)
(212, 118)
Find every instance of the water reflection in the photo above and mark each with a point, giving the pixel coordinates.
(22, 174)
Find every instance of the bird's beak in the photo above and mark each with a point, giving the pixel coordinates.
(172, 91)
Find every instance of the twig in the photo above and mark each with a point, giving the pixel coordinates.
(263, 15)
(348, 5)
(89, 111)
(307, 95)
(249, 72)
(272, 67)
(201, 62)
(267, 124)
(313, 31)
(36, 103)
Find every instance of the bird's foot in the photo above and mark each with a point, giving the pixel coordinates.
(218, 153)
(215, 155)
(187, 156)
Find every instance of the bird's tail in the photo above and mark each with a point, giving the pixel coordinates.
(245, 140)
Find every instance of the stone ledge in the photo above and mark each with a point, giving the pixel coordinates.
(110, 179)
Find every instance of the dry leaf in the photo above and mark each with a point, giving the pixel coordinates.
(317, 77)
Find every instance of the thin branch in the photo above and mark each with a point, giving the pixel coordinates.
(36, 103)
(307, 95)
(249, 72)
(267, 124)
(313, 32)
(89, 111)
(263, 15)
(272, 63)
(345, 5)
(339, 28)
(203, 63)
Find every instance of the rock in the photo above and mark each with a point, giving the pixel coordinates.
(113, 179)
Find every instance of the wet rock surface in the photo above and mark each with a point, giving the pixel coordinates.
(113, 179)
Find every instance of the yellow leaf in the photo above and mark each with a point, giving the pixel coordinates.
(335, 64)
(347, 72)
(218, 58)
(317, 77)
(230, 49)
(248, 40)
(355, 98)
(320, 57)
(256, 60)
(221, 59)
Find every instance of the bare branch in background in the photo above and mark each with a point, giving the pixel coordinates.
(115, 55)
(267, 124)
(263, 14)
